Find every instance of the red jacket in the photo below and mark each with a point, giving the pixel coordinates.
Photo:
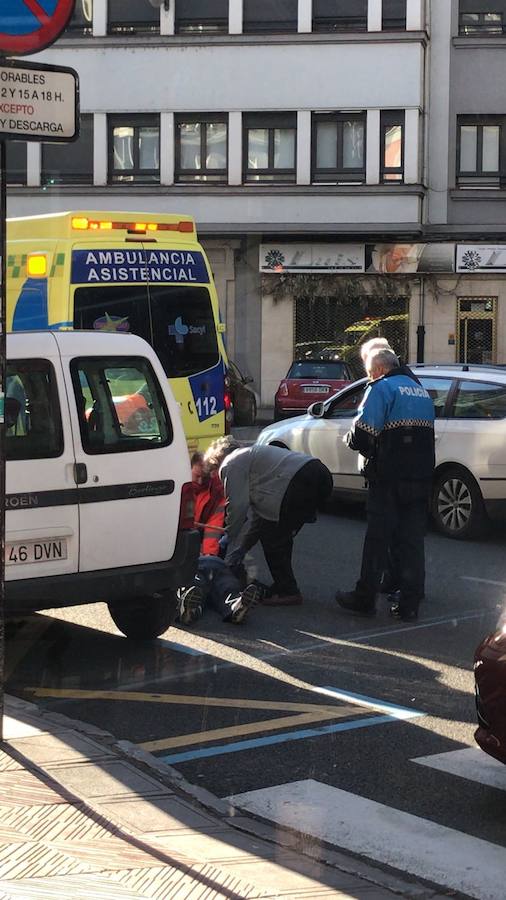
(210, 510)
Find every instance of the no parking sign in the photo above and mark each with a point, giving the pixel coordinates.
(27, 26)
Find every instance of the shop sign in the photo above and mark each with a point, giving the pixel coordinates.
(481, 258)
(312, 258)
(408, 259)
(377, 259)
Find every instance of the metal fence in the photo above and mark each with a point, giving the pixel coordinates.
(335, 328)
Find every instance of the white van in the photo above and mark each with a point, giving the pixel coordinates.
(99, 503)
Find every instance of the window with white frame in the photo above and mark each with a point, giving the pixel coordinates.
(134, 148)
(201, 147)
(339, 15)
(482, 17)
(338, 147)
(269, 147)
(81, 20)
(132, 17)
(392, 145)
(393, 15)
(480, 151)
(16, 162)
(264, 16)
(70, 163)
(202, 17)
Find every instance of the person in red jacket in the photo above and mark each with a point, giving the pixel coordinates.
(214, 582)
(209, 506)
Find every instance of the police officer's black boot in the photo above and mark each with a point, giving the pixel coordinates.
(356, 605)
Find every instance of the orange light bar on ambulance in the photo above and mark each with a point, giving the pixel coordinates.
(36, 265)
(81, 223)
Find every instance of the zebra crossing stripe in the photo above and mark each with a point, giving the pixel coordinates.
(471, 763)
(389, 836)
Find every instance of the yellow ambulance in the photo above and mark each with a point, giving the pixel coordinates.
(127, 272)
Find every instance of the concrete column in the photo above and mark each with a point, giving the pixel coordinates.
(412, 147)
(305, 18)
(235, 16)
(414, 15)
(33, 158)
(235, 148)
(168, 18)
(167, 146)
(100, 149)
(372, 165)
(304, 146)
(99, 18)
(374, 11)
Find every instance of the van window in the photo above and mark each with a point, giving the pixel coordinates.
(33, 428)
(177, 321)
(120, 404)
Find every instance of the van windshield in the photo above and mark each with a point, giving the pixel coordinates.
(176, 320)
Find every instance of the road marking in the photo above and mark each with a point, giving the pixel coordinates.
(484, 580)
(396, 712)
(303, 734)
(386, 632)
(308, 713)
(185, 700)
(471, 763)
(182, 648)
(398, 839)
(218, 734)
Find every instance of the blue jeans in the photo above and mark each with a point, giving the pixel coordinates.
(218, 583)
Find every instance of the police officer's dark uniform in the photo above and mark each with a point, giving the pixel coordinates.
(394, 431)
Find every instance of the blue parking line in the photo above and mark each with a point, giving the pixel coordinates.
(183, 648)
(252, 744)
(396, 712)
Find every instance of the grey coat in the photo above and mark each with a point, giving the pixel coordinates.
(255, 480)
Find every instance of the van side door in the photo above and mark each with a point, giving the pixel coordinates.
(129, 489)
(42, 524)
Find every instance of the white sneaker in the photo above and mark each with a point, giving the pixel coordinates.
(250, 597)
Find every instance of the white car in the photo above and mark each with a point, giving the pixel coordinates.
(470, 477)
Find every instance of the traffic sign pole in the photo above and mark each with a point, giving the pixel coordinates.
(3, 382)
(27, 26)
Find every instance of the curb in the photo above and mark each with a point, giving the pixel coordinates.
(348, 863)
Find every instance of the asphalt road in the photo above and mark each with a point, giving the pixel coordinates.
(302, 695)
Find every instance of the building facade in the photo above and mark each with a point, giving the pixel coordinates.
(319, 144)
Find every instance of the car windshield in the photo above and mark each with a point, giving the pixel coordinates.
(307, 369)
(177, 321)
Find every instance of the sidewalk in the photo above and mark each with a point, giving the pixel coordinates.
(80, 818)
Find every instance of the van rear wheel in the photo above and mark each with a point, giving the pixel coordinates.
(145, 618)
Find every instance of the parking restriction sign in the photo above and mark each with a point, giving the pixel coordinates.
(27, 26)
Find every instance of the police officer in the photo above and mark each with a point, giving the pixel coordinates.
(394, 431)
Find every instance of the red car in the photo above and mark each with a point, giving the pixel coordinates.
(309, 380)
(490, 682)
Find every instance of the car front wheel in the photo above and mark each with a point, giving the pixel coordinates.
(145, 618)
(457, 505)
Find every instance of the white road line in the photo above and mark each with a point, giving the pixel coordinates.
(471, 763)
(389, 836)
(483, 580)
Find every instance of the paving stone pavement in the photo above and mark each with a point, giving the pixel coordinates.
(79, 820)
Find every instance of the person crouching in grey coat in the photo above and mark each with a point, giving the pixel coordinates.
(271, 492)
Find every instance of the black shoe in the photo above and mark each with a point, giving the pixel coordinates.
(394, 597)
(404, 613)
(356, 606)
